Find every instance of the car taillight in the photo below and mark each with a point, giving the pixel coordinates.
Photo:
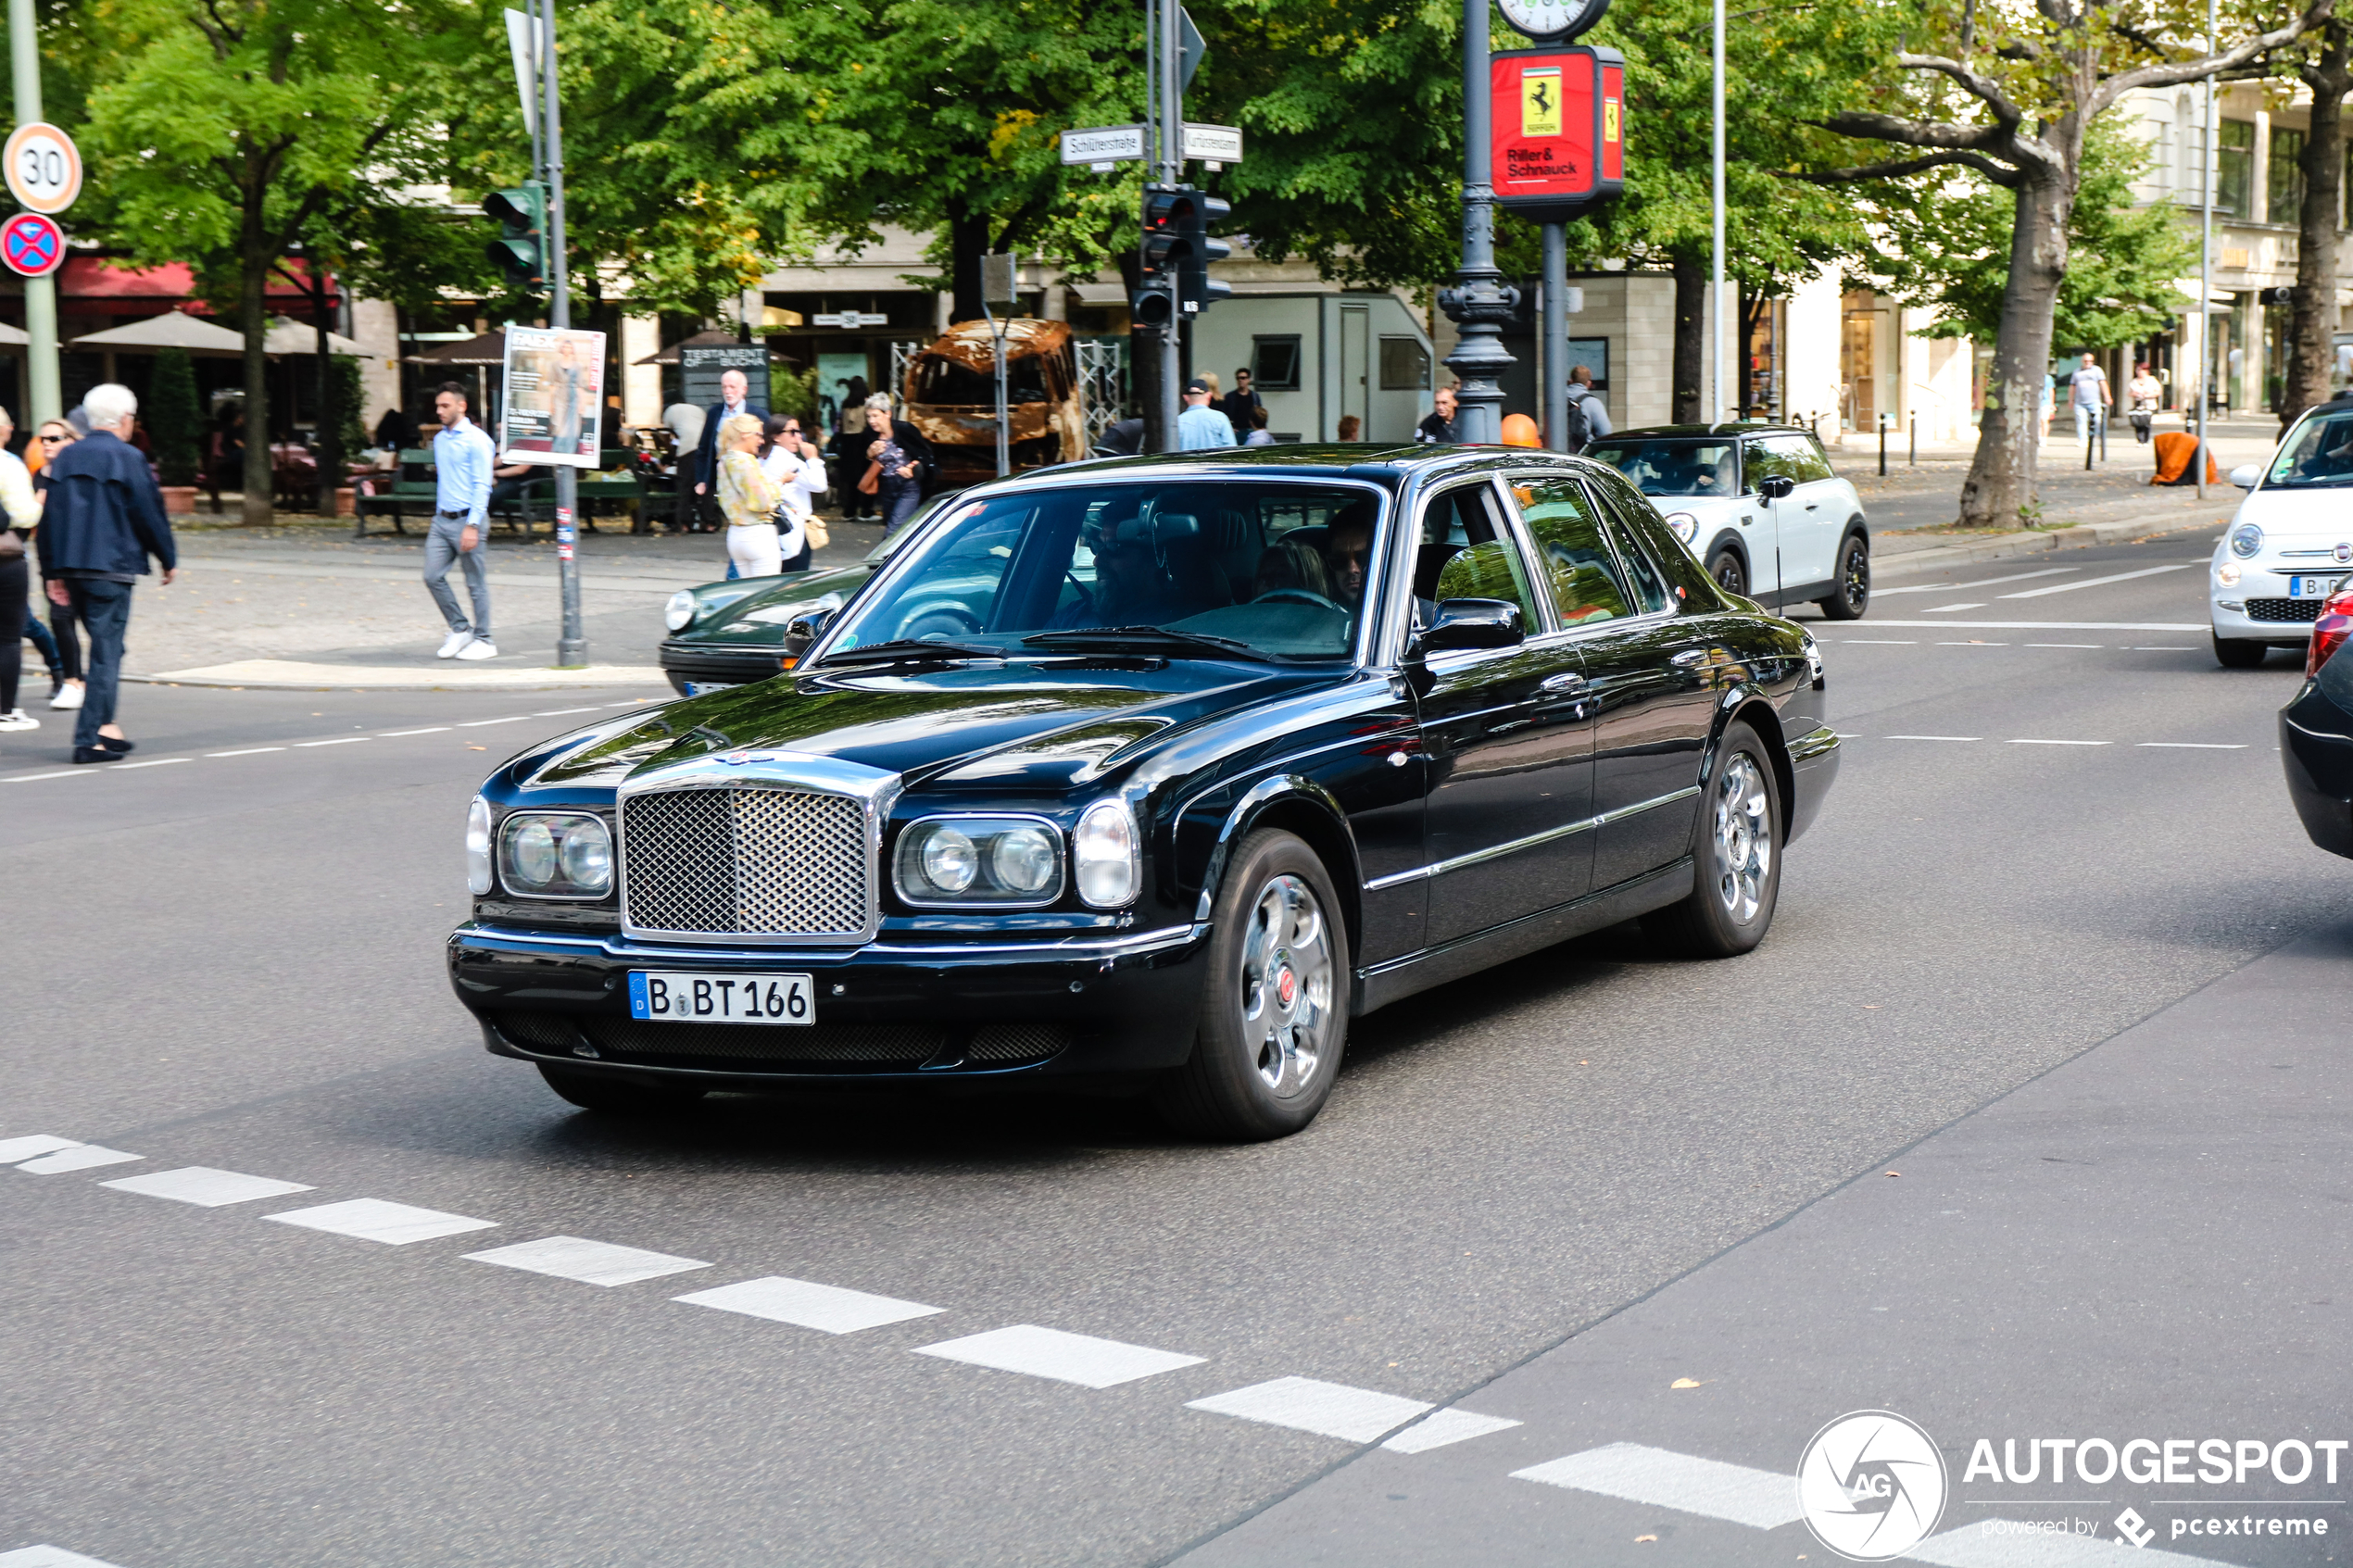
(2334, 623)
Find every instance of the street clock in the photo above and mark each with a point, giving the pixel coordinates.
(1552, 21)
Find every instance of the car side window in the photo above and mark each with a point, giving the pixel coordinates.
(1585, 583)
(1682, 571)
(1466, 554)
(1817, 462)
(1795, 456)
(1646, 586)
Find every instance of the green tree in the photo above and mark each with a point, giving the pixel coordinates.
(222, 130)
(174, 422)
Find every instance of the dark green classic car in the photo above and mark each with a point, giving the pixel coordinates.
(730, 633)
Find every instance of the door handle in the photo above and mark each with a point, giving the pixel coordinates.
(1568, 682)
(1813, 505)
(1688, 655)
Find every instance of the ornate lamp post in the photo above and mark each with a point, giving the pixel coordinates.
(1480, 302)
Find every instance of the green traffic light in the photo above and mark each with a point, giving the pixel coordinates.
(520, 250)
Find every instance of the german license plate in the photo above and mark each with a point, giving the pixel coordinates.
(668, 996)
(704, 688)
(2301, 587)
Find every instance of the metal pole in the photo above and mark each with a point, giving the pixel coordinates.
(2205, 355)
(1882, 446)
(1172, 170)
(572, 646)
(1479, 303)
(43, 385)
(1717, 335)
(1555, 354)
(1913, 460)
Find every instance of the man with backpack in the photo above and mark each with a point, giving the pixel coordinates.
(1588, 417)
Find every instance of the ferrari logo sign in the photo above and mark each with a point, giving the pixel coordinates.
(1558, 129)
(1540, 101)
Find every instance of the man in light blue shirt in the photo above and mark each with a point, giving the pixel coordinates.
(462, 456)
(1200, 427)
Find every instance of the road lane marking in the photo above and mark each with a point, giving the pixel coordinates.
(206, 1187)
(1328, 1409)
(2067, 644)
(250, 751)
(1942, 609)
(347, 740)
(80, 1157)
(1932, 738)
(48, 1557)
(2100, 582)
(1766, 1499)
(510, 719)
(373, 1219)
(590, 1263)
(1981, 583)
(1444, 1428)
(1886, 642)
(2196, 744)
(826, 1308)
(1973, 643)
(2062, 743)
(2002, 1543)
(2057, 625)
(31, 778)
(31, 1144)
(1065, 1357)
(560, 713)
(2168, 648)
(151, 762)
(428, 730)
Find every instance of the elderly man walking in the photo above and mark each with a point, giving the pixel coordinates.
(103, 520)
(462, 455)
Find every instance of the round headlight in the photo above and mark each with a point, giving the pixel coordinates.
(2246, 539)
(478, 846)
(947, 859)
(1685, 524)
(586, 855)
(2227, 574)
(1106, 847)
(531, 854)
(679, 613)
(1023, 859)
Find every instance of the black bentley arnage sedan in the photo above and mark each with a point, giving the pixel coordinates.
(1154, 773)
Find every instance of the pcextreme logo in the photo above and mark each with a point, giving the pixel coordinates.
(1871, 1485)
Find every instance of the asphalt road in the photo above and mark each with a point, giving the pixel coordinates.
(232, 962)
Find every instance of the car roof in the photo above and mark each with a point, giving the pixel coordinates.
(1731, 427)
(1303, 460)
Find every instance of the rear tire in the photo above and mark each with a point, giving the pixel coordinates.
(1853, 596)
(612, 1095)
(2239, 653)
(1737, 857)
(1730, 571)
(1274, 1013)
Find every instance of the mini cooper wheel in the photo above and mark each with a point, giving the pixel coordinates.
(1737, 855)
(1853, 595)
(1730, 571)
(1274, 1013)
(614, 1094)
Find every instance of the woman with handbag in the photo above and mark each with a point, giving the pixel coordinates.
(898, 460)
(799, 469)
(19, 514)
(747, 498)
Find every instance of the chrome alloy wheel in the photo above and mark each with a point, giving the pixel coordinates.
(1286, 986)
(1743, 837)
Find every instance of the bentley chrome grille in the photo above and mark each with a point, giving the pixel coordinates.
(747, 861)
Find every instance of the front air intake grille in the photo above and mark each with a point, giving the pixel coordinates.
(2288, 610)
(1017, 1042)
(747, 861)
(869, 1048)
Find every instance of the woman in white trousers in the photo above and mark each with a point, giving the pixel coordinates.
(748, 499)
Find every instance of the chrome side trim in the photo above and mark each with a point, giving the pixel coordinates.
(1060, 950)
(1477, 857)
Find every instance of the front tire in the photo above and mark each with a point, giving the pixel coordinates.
(1730, 571)
(1273, 1014)
(1853, 596)
(611, 1095)
(2239, 653)
(1737, 858)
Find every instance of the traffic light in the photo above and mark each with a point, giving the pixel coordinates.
(1196, 211)
(520, 249)
(1154, 303)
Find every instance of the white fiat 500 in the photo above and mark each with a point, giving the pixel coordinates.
(2291, 544)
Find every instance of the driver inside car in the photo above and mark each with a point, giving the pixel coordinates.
(1348, 551)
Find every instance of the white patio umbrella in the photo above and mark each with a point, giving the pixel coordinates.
(289, 336)
(173, 329)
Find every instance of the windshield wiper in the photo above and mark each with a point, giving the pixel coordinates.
(902, 649)
(1158, 639)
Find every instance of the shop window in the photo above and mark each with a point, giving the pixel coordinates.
(2285, 201)
(2235, 168)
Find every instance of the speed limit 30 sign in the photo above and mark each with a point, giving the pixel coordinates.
(44, 170)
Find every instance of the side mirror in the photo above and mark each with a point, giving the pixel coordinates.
(1775, 486)
(1474, 623)
(2246, 475)
(801, 631)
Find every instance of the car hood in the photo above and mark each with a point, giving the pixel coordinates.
(759, 620)
(1046, 725)
(2300, 519)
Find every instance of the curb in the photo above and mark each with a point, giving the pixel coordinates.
(1886, 564)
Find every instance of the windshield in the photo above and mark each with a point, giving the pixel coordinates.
(1261, 568)
(1672, 467)
(2319, 453)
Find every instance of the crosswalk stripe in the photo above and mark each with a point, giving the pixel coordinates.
(1304, 1404)
(1444, 1428)
(373, 1219)
(206, 1187)
(48, 1557)
(826, 1308)
(1067, 1358)
(80, 1157)
(590, 1263)
(31, 1144)
(1765, 1499)
(1986, 1543)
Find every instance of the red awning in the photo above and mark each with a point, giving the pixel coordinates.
(94, 280)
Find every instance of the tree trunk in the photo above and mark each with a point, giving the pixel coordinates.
(1689, 269)
(1999, 492)
(330, 446)
(253, 320)
(2313, 319)
(967, 243)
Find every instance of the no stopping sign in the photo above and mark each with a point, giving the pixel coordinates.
(34, 247)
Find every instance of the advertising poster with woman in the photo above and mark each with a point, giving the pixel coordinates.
(555, 388)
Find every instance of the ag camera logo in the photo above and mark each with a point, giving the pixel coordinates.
(1871, 1485)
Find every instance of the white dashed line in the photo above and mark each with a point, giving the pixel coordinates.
(347, 740)
(2062, 743)
(2166, 648)
(590, 1263)
(2066, 645)
(150, 762)
(30, 778)
(1763, 1498)
(2196, 744)
(48, 1557)
(206, 1187)
(428, 730)
(510, 719)
(2100, 582)
(1328, 1409)
(373, 1219)
(1886, 642)
(560, 713)
(1443, 1429)
(1065, 1357)
(31, 1144)
(250, 751)
(1945, 610)
(1981, 583)
(1932, 738)
(1973, 643)
(798, 1301)
(80, 1157)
